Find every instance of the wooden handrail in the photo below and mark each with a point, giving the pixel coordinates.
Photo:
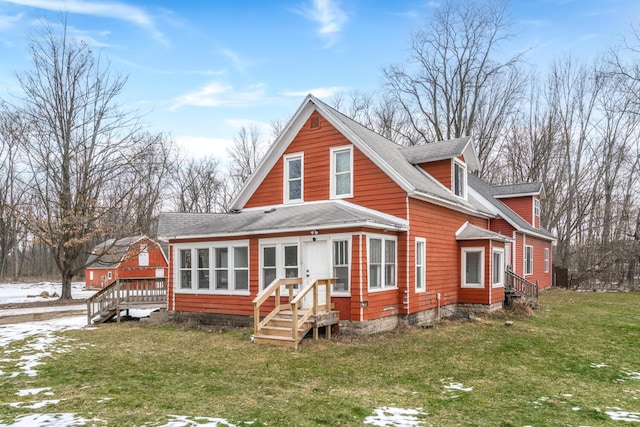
(274, 287)
(520, 285)
(296, 301)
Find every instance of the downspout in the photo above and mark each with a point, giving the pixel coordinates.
(490, 272)
(514, 252)
(171, 279)
(408, 260)
(360, 267)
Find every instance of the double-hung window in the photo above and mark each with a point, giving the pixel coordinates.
(546, 260)
(185, 268)
(382, 263)
(221, 269)
(528, 260)
(342, 172)
(536, 207)
(497, 268)
(472, 267)
(203, 268)
(341, 265)
(459, 179)
(241, 268)
(420, 265)
(293, 178)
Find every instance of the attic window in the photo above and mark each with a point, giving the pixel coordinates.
(315, 122)
(459, 179)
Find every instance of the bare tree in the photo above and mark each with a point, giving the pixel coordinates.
(79, 144)
(198, 186)
(453, 85)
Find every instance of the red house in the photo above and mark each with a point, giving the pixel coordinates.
(126, 258)
(404, 231)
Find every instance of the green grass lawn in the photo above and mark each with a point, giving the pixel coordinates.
(576, 360)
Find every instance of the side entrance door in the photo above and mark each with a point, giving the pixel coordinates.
(317, 265)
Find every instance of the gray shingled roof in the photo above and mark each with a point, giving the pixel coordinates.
(332, 214)
(472, 232)
(392, 154)
(110, 253)
(515, 189)
(435, 150)
(484, 190)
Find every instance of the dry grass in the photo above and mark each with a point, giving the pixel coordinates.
(533, 373)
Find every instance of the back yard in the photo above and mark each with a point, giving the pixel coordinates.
(576, 363)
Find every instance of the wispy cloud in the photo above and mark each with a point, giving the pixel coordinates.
(7, 22)
(200, 146)
(113, 10)
(238, 62)
(320, 92)
(434, 4)
(329, 16)
(217, 94)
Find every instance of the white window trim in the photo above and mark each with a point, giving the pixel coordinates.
(524, 261)
(193, 247)
(464, 178)
(334, 151)
(536, 208)
(287, 159)
(143, 257)
(423, 263)
(546, 260)
(342, 238)
(463, 274)
(109, 275)
(384, 238)
(499, 283)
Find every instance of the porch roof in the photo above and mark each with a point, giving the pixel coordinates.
(472, 232)
(284, 218)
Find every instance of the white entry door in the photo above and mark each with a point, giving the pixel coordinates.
(317, 265)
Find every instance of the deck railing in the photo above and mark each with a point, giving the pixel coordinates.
(139, 291)
(315, 306)
(520, 286)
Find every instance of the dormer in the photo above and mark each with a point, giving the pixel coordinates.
(524, 199)
(446, 161)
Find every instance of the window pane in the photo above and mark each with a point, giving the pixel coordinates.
(375, 279)
(242, 280)
(269, 275)
(222, 279)
(342, 274)
(203, 258)
(497, 267)
(295, 189)
(419, 277)
(203, 279)
(290, 272)
(222, 257)
(390, 275)
(269, 257)
(343, 183)
(241, 257)
(472, 267)
(185, 279)
(375, 251)
(185, 258)
(390, 251)
(291, 256)
(295, 169)
(343, 161)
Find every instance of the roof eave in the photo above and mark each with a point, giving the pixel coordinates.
(447, 204)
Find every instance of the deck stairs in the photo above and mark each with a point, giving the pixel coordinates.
(125, 294)
(519, 288)
(287, 323)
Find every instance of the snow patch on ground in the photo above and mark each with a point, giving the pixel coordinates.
(53, 420)
(618, 414)
(185, 421)
(396, 417)
(598, 365)
(31, 292)
(628, 375)
(33, 391)
(38, 342)
(35, 405)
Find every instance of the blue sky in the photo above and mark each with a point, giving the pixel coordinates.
(201, 69)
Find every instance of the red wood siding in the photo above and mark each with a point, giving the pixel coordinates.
(544, 279)
(438, 225)
(476, 295)
(501, 226)
(523, 206)
(440, 170)
(372, 187)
